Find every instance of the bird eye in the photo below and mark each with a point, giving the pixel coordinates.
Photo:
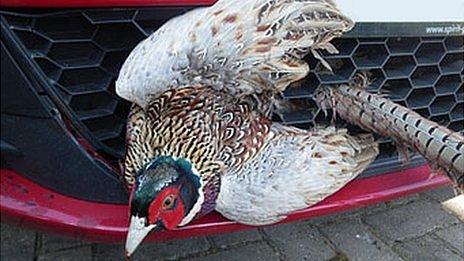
(168, 201)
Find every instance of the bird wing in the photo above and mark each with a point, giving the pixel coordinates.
(242, 46)
(295, 169)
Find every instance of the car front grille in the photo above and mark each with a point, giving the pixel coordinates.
(79, 53)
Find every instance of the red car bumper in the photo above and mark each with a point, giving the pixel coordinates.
(25, 203)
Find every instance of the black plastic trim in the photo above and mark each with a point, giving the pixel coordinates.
(36, 143)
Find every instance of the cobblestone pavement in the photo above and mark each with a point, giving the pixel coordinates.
(411, 228)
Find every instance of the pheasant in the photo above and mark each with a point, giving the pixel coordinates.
(196, 149)
(199, 136)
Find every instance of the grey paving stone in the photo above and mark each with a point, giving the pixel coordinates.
(363, 211)
(54, 243)
(357, 242)
(426, 248)
(59, 248)
(16, 243)
(101, 252)
(333, 218)
(409, 221)
(236, 238)
(293, 241)
(83, 253)
(402, 201)
(255, 252)
(298, 241)
(454, 235)
(440, 194)
(171, 250)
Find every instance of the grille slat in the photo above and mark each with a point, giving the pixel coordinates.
(81, 51)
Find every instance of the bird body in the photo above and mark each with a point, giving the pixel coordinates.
(199, 137)
(205, 150)
(252, 170)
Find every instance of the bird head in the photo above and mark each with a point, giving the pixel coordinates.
(167, 194)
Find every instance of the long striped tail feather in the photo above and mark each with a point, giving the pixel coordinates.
(441, 147)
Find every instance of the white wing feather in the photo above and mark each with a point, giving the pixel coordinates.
(241, 46)
(294, 170)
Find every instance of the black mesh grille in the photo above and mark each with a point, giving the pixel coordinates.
(80, 53)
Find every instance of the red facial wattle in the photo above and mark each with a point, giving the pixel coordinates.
(169, 217)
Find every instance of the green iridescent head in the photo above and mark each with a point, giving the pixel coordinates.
(167, 194)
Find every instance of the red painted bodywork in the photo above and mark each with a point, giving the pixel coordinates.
(26, 203)
(102, 3)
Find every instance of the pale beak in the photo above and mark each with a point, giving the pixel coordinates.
(138, 230)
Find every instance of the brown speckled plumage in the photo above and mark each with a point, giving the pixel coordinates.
(212, 131)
